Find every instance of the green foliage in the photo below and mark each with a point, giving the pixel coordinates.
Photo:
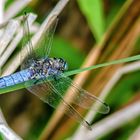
(128, 129)
(1, 136)
(124, 90)
(63, 48)
(39, 125)
(93, 11)
(8, 3)
(112, 14)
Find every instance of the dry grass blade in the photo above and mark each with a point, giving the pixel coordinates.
(12, 46)
(114, 121)
(15, 41)
(2, 119)
(133, 101)
(1, 11)
(125, 23)
(116, 77)
(8, 35)
(105, 43)
(131, 41)
(15, 7)
(125, 45)
(7, 38)
(5, 130)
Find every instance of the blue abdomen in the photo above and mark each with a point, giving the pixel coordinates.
(15, 78)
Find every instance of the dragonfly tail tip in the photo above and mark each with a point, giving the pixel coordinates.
(107, 108)
(88, 126)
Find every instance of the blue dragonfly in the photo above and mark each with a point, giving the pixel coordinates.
(47, 79)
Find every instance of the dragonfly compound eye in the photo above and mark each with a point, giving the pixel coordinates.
(61, 60)
(65, 66)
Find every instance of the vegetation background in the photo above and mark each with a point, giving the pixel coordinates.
(89, 32)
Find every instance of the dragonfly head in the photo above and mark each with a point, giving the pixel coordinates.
(56, 64)
(60, 64)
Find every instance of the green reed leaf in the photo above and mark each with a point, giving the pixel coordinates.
(73, 72)
(124, 60)
(94, 14)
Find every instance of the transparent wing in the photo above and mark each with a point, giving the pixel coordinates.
(26, 43)
(81, 98)
(43, 46)
(49, 94)
(45, 43)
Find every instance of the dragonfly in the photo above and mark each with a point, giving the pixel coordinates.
(48, 81)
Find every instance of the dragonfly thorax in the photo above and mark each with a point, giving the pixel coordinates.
(48, 66)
